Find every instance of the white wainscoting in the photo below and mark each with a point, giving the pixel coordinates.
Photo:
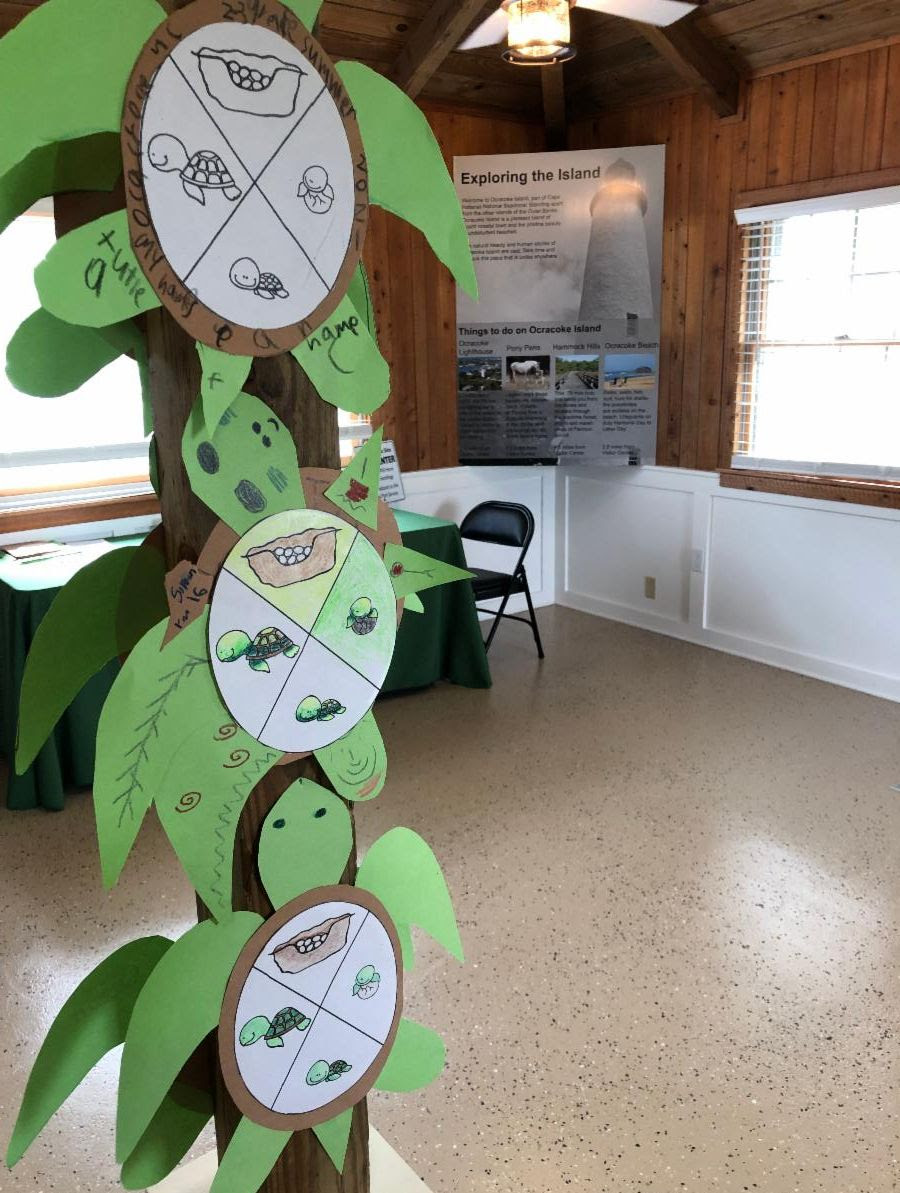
(812, 586)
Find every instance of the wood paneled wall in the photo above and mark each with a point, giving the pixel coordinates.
(816, 122)
(415, 302)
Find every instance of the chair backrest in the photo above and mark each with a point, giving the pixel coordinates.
(502, 522)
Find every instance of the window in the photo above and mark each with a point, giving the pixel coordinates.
(818, 388)
(85, 445)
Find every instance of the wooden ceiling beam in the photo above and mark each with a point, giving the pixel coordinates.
(440, 32)
(553, 89)
(699, 62)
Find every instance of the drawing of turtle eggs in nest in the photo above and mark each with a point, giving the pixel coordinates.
(256, 84)
(314, 945)
(295, 557)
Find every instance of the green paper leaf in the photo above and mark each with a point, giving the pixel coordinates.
(356, 489)
(178, 1006)
(407, 174)
(304, 843)
(356, 764)
(147, 715)
(411, 571)
(344, 363)
(249, 1158)
(401, 870)
(91, 276)
(201, 796)
(334, 1137)
(247, 469)
(77, 637)
(47, 357)
(172, 1132)
(223, 378)
(416, 1059)
(142, 597)
(413, 603)
(51, 88)
(93, 1020)
(360, 295)
(87, 164)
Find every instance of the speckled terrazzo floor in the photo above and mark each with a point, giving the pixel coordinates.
(677, 875)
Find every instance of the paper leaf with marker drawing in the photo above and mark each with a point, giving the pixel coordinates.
(48, 357)
(356, 489)
(81, 632)
(344, 363)
(304, 842)
(91, 276)
(411, 571)
(51, 89)
(356, 764)
(93, 1020)
(223, 378)
(92, 163)
(407, 174)
(247, 468)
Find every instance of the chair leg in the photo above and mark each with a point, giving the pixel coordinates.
(497, 619)
(533, 617)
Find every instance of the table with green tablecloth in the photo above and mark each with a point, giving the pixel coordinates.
(443, 643)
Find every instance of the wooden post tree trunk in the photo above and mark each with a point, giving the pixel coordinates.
(304, 1166)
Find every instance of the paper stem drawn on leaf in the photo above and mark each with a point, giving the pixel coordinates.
(402, 871)
(356, 764)
(247, 468)
(222, 380)
(177, 1007)
(92, 277)
(411, 571)
(417, 1059)
(344, 363)
(79, 92)
(93, 1020)
(305, 842)
(334, 1137)
(91, 163)
(407, 174)
(77, 637)
(172, 1132)
(356, 489)
(249, 1158)
(146, 716)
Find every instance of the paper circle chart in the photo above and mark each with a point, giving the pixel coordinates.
(302, 628)
(311, 1009)
(245, 177)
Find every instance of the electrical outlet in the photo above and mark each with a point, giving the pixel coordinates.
(650, 588)
(697, 561)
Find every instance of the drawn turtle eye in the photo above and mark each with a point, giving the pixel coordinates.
(279, 823)
(320, 813)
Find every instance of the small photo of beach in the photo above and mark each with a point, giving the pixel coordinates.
(629, 371)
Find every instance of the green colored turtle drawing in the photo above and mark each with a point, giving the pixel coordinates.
(367, 982)
(363, 617)
(261, 1028)
(311, 708)
(323, 1071)
(267, 643)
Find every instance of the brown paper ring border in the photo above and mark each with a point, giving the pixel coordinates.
(198, 320)
(243, 1099)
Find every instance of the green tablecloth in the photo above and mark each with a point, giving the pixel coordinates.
(443, 643)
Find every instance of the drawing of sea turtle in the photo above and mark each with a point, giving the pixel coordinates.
(235, 644)
(367, 982)
(261, 1028)
(246, 275)
(363, 616)
(323, 1071)
(311, 708)
(199, 172)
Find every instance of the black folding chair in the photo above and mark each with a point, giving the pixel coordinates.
(507, 525)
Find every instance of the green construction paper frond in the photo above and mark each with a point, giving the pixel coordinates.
(87, 164)
(356, 764)
(360, 294)
(64, 70)
(79, 635)
(177, 1007)
(407, 173)
(93, 1020)
(304, 842)
(334, 1137)
(401, 870)
(412, 603)
(247, 468)
(356, 489)
(91, 276)
(416, 1059)
(344, 362)
(184, 1113)
(47, 357)
(223, 379)
(249, 1158)
(411, 571)
(306, 10)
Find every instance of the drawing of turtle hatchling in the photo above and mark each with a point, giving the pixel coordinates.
(363, 617)
(367, 982)
(235, 644)
(323, 1071)
(315, 190)
(261, 1028)
(311, 708)
(199, 172)
(246, 275)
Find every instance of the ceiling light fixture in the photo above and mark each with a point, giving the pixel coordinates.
(539, 32)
